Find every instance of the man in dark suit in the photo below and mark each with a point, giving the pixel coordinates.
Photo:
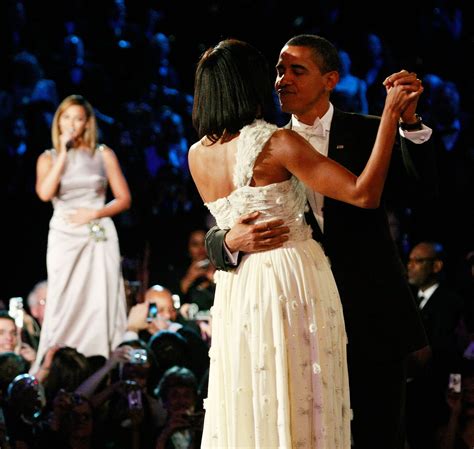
(382, 322)
(441, 311)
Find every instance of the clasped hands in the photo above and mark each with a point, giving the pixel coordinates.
(410, 83)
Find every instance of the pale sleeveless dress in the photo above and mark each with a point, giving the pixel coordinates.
(278, 373)
(86, 306)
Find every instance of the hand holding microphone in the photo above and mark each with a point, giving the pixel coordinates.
(67, 138)
(70, 141)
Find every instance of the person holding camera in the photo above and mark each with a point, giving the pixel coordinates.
(157, 313)
(457, 432)
(178, 390)
(197, 285)
(10, 339)
(130, 415)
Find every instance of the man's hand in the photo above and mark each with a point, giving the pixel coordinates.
(252, 238)
(137, 317)
(412, 84)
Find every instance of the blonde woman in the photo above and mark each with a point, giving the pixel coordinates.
(86, 306)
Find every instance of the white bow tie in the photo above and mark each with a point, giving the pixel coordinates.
(310, 131)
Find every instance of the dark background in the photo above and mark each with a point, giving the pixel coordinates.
(122, 79)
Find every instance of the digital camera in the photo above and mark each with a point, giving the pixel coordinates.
(138, 356)
(152, 312)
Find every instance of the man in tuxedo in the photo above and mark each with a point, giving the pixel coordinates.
(382, 322)
(441, 311)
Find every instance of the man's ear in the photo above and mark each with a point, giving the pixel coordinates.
(332, 78)
(437, 266)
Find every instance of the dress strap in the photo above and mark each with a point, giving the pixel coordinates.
(251, 141)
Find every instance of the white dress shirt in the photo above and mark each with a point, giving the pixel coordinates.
(426, 295)
(320, 144)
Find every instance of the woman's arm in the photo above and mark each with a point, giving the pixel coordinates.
(331, 179)
(88, 387)
(48, 174)
(118, 184)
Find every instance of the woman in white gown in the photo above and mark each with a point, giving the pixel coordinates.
(86, 307)
(278, 375)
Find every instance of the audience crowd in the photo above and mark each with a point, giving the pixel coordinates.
(135, 61)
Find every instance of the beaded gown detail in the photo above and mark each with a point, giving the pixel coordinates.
(86, 306)
(278, 372)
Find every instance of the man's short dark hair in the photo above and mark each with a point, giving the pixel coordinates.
(325, 53)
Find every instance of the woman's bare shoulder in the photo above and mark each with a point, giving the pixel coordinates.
(283, 137)
(46, 156)
(104, 149)
(197, 148)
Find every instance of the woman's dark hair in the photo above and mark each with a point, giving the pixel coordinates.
(169, 349)
(232, 88)
(176, 376)
(69, 368)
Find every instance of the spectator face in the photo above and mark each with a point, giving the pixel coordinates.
(81, 417)
(8, 335)
(164, 302)
(421, 265)
(136, 372)
(37, 308)
(180, 398)
(166, 308)
(196, 247)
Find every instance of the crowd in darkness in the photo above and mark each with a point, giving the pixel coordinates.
(134, 61)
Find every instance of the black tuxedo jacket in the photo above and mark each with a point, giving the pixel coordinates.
(441, 315)
(381, 317)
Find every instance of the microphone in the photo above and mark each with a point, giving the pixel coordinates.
(70, 142)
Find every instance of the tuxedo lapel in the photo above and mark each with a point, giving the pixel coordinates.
(336, 144)
(311, 220)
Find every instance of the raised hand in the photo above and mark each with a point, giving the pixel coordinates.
(411, 83)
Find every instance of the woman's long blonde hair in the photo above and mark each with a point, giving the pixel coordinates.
(89, 137)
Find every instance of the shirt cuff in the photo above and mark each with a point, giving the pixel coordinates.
(231, 258)
(420, 136)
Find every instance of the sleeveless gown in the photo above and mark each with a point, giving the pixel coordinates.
(86, 306)
(278, 373)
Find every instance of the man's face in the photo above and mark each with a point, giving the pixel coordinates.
(166, 308)
(301, 87)
(136, 372)
(164, 303)
(37, 309)
(420, 265)
(8, 335)
(180, 398)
